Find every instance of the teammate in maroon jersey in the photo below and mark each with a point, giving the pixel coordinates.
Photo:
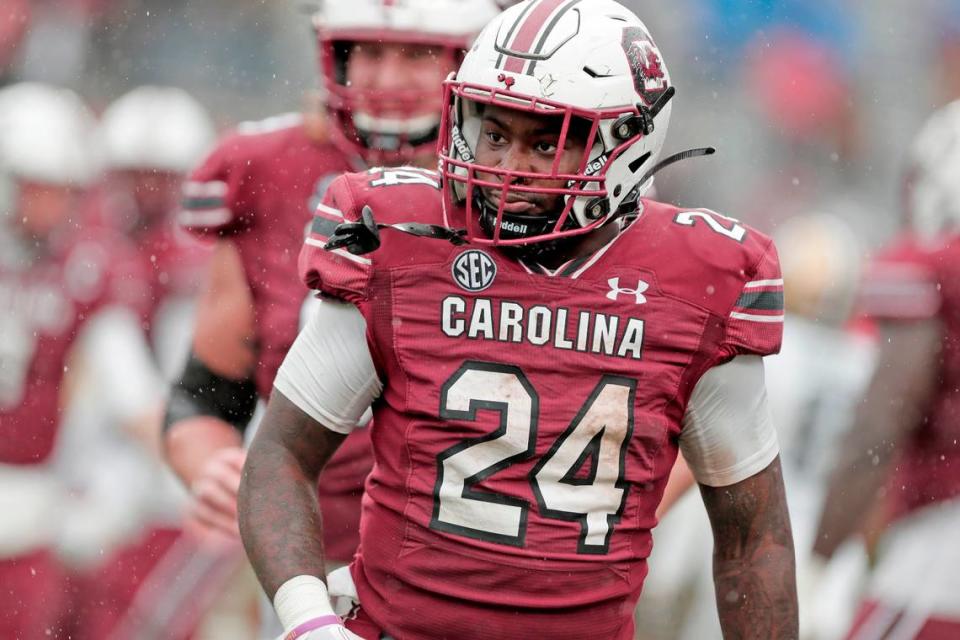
(381, 63)
(153, 137)
(905, 435)
(56, 279)
(531, 389)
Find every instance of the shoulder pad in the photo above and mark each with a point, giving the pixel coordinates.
(724, 265)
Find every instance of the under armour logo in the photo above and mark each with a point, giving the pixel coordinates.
(616, 290)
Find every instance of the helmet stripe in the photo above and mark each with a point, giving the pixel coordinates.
(513, 28)
(527, 33)
(546, 33)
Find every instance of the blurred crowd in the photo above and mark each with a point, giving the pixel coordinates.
(809, 104)
(106, 106)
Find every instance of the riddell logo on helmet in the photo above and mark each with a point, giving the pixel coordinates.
(596, 165)
(463, 149)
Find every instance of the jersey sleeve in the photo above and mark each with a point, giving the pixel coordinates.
(901, 288)
(337, 273)
(755, 323)
(728, 433)
(214, 198)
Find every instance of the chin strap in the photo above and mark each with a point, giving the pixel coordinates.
(631, 203)
(363, 236)
(677, 157)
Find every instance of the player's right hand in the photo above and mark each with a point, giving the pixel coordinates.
(212, 511)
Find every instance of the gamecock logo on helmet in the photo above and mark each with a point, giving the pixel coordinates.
(649, 78)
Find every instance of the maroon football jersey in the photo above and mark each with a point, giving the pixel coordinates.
(174, 260)
(176, 263)
(44, 299)
(258, 188)
(530, 417)
(913, 281)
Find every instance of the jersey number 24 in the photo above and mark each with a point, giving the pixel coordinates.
(596, 440)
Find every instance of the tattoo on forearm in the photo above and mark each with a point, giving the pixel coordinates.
(754, 566)
(278, 512)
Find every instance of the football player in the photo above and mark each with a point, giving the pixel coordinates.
(56, 278)
(531, 388)
(813, 385)
(902, 447)
(382, 63)
(153, 137)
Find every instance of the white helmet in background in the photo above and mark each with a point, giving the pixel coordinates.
(587, 61)
(47, 135)
(933, 175)
(820, 258)
(361, 126)
(156, 128)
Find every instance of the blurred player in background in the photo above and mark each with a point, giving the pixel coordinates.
(522, 441)
(813, 385)
(120, 530)
(152, 138)
(382, 64)
(902, 449)
(56, 276)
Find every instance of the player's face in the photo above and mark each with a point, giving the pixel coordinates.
(385, 67)
(155, 193)
(41, 208)
(517, 141)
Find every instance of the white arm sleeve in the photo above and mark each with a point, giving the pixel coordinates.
(728, 434)
(328, 372)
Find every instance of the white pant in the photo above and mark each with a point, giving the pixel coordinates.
(919, 563)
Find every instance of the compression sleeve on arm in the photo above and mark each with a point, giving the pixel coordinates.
(329, 373)
(728, 433)
(202, 392)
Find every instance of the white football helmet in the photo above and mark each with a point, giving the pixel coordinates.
(589, 60)
(933, 175)
(158, 128)
(47, 135)
(361, 126)
(820, 257)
